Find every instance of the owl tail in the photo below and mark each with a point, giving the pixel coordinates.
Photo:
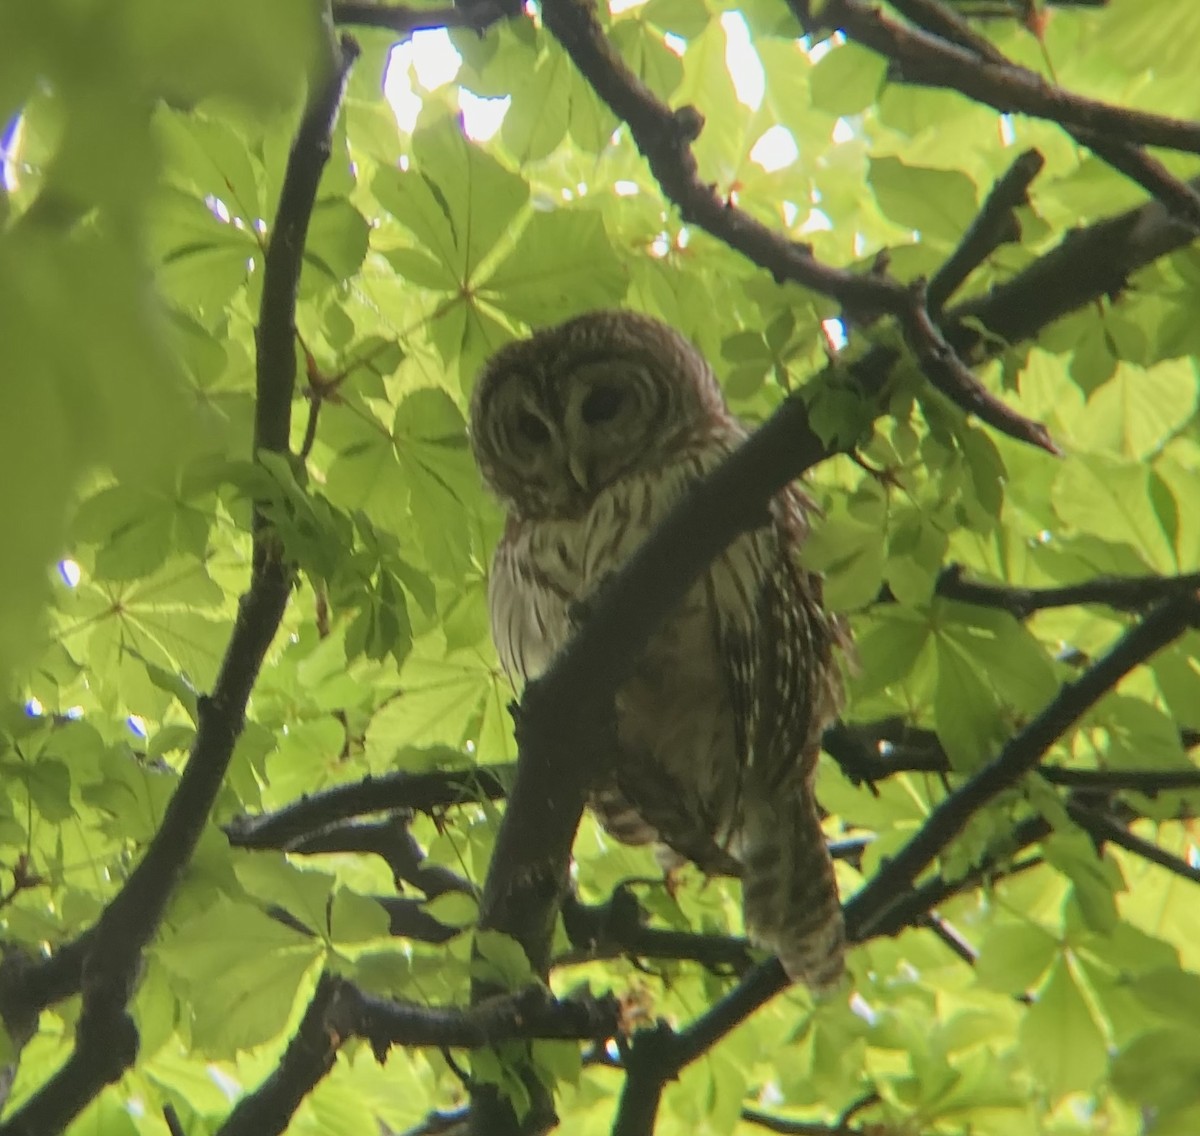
(789, 893)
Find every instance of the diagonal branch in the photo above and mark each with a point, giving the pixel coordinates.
(1024, 750)
(664, 139)
(1102, 825)
(948, 373)
(995, 225)
(919, 57)
(1181, 199)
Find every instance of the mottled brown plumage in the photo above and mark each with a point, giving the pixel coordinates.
(588, 433)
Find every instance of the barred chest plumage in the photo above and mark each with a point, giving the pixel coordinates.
(675, 719)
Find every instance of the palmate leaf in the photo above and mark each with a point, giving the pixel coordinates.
(455, 199)
(1059, 1038)
(562, 264)
(140, 195)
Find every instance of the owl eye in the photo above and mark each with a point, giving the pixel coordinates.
(532, 429)
(601, 404)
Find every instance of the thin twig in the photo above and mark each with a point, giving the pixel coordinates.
(1125, 593)
(950, 375)
(995, 224)
(798, 1127)
(1104, 826)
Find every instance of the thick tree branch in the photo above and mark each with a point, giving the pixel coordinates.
(919, 57)
(941, 20)
(110, 959)
(339, 1010)
(664, 137)
(1089, 264)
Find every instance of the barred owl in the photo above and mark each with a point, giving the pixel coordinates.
(588, 433)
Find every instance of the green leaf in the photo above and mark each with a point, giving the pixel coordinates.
(1059, 1038)
(556, 1061)
(1112, 499)
(305, 895)
(431, 444)
(562, 264)
(847, 79)
(501, 960)
(1161, 1068)
(969, 723)
(453, 909)
(936, 203)
(356, 918)
(537, 119)
(1139, 409)
(1173, 993)
(456, 199)
(1095, 878)
(336, 245)
(851, 556)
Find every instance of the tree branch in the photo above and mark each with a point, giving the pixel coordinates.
(339, 1010)
(1103, 826)
(664, 138)
(919, 57)
(1025, 749)
(479, 15)
(109, 954)
(617, 928)
(856, 747)
(800, 1127)
(420, 792)
(1132, 161)
(1125, 593)
(995, 225)
(950, 375)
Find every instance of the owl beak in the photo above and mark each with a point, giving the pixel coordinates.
(581, 472)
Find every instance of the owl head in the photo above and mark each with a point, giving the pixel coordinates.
(558, 417)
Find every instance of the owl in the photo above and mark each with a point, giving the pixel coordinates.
(588, 433)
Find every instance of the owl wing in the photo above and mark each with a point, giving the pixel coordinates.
(776, 640)
(784, 688)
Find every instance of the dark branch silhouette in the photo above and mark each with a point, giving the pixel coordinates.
(1131, 160)
(918, 57)
(109, 954)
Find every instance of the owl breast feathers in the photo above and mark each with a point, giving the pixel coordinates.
(588, 433)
